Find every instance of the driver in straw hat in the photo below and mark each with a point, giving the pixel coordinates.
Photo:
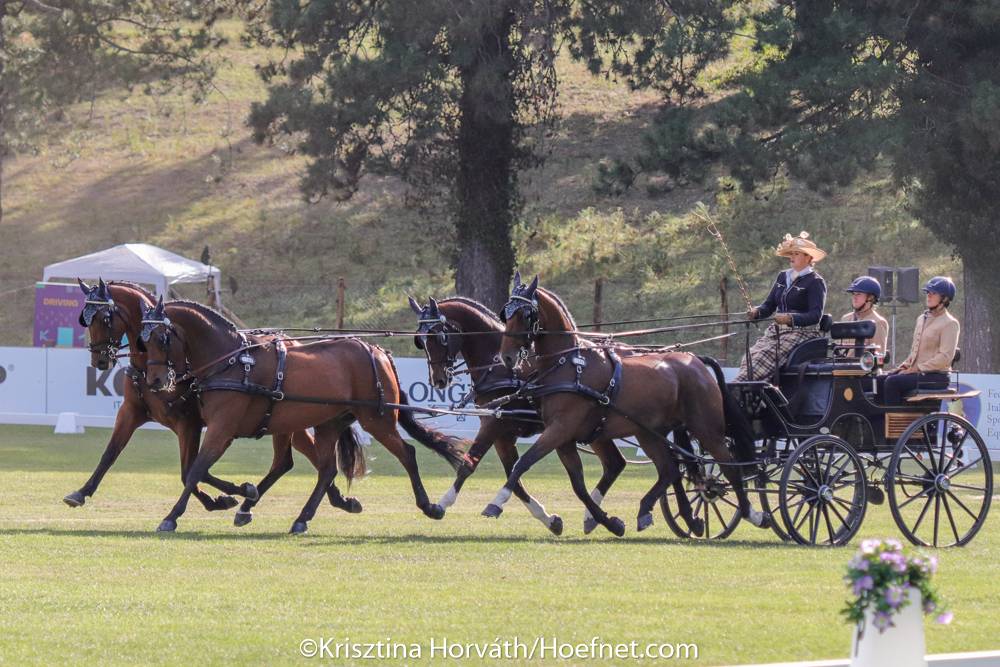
(796, 300)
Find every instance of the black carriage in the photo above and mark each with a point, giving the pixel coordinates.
(827, 447)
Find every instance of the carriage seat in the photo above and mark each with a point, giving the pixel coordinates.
(927, 393)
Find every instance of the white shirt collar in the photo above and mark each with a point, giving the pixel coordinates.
(791, 274)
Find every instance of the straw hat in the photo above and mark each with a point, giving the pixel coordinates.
(800, 243)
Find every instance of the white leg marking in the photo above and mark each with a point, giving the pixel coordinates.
(538, 511)
(448, 499)
(503, 495)
(756, 518)
(598, 498)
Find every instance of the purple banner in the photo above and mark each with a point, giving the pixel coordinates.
(57, 315)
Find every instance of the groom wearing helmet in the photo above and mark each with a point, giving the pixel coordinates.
(935, 340)
(865, 292)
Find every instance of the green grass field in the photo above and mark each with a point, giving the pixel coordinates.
(96, 585)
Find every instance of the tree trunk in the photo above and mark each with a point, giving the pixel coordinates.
(979, 340)
(485, 186)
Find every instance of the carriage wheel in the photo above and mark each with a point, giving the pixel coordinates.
(822, 492)
(712, 499)
(767, 480)
(940, 481)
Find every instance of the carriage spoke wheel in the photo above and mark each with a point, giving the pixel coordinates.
(712, 499)
(767, 480)
(940, 481)
(822, 492)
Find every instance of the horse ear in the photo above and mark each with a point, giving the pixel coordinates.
(158, 311)
(84, 286)
(434, 307)
(414, 306)
(532, 287)
(102, 287)
(517, 279)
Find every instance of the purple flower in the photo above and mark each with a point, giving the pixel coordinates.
(882, 620)
(865, 583)
(894, 596)
(870, 546)
(945, 618)
(896, 560)
(859, 563)
(893, 545)
(932, 564)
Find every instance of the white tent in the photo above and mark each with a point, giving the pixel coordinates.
(137, 262)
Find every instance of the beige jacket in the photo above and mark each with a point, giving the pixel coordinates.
(881, 327)
(935, 340)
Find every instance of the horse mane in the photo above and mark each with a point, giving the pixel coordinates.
(560, 305)
(472, 303)
(136, 286)
(209, 314)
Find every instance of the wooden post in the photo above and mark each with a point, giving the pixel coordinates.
(598, 296)
(724, 301)
(341, 289)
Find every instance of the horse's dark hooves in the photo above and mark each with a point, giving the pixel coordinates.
(644, 521)
(434, 511)
(249, 491)
(556, 525)
(226, 503)
(697, 527)
(765, 520)
(492, 511)
(616, 526)
(589, 524)
(167, 526)
(299, 527)
(75, 499)
(352, 506)
(241, 519)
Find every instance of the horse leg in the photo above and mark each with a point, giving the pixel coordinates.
(696, 525)
(570, 457)
(326, 469)
(129, 418)
(486, 437)
(667, 473)
(217, 440)
(506, 447)
(188, 439)
(613, 463)
(281, 462)
(384, 430)
(549, 440)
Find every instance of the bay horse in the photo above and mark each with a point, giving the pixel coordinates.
(112, 313)
(250, 389)
(588, 390)
(461, 326)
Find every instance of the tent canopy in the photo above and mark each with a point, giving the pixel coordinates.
(137, 262)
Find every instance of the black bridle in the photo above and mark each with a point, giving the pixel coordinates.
(519, 302)
(107, 309)
(439, 327)
(151, 321)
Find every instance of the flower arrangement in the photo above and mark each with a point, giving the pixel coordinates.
(881, 577)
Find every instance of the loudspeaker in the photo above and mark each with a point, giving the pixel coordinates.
(908, 285)
(883, 274)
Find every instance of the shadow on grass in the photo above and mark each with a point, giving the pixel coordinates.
(412, 538)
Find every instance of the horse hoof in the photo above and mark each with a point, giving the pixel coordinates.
(167, 526)
(226, 503)
(434, 511)
(299, 527)
(492, 511)
(556, 525)
(616, 526)
(766, 521)
(589, 524)
(352, 506)
(75, 499)
(249, 491)
(644, 521)
(697, 527)
(241, 519)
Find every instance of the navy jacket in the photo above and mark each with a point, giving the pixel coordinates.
(805, 299)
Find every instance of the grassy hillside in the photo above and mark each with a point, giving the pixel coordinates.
(167, 172)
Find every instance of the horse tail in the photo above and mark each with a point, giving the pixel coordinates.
(448, 447)
(738, 427)
(350, 456)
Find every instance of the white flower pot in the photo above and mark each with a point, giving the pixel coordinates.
(900, 646)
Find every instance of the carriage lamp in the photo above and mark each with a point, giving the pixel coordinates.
(867, 362)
